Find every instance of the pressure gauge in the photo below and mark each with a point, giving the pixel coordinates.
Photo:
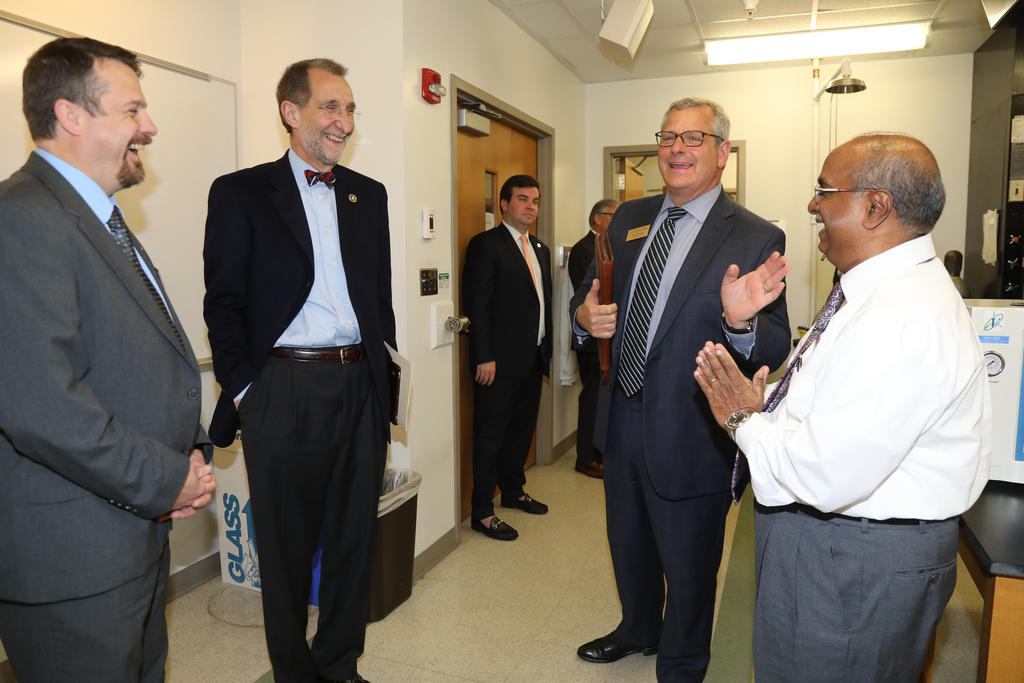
(994, 363)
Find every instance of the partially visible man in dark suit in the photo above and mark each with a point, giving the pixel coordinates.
(506, 292)
(100, 442)
(298, 304)
(588, 457)
(667, 466)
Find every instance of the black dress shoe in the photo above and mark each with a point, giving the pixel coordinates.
(527, 504)
(609, 649)
(591, 469)
(497, 529)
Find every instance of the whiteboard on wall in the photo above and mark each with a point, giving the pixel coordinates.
(196, 142)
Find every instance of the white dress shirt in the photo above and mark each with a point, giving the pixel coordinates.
(534, 263)
(889, 415)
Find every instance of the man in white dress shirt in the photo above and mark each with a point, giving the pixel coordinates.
(862, 464)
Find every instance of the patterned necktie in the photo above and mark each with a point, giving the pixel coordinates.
(123, 236)
(633, 361)
(740, 474)
(529, 264)
(325, 177)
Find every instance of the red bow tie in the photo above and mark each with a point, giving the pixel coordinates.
(327, 178)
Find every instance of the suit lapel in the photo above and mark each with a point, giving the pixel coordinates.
(104, 243)
(513, 246)
(284, 195)
(710, 237)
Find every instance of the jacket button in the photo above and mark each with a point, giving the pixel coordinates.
(193, 394)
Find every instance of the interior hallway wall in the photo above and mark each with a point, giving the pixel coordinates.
(771, 108)
(474, 41)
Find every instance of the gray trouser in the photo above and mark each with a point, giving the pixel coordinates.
(847, 600)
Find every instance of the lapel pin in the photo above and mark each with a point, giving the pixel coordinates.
(352, 198)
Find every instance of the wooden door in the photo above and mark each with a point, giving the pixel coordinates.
(484, 163)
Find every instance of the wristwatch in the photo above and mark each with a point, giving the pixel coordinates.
(733, 422)
(738, 330)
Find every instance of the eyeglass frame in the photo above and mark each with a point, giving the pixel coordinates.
(335, 111)
(819, 191)
(679, 136)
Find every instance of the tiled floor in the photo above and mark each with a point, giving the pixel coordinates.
(496, 611)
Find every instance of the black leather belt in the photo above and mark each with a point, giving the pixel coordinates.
(327, 354)
(829, 516)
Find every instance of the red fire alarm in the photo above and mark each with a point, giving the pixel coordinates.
(432, 90)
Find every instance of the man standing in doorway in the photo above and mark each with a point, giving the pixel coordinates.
(298, 304)
(506, 292)
(588, 457)
(100, 442)
(667, 465)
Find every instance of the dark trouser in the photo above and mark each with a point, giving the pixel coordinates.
(590, 376)
(118, 636)
(504, 419)
(655, 542)
(847, 600)
(315, 448)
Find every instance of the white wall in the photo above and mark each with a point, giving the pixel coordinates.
(771, 108)
(477, 43)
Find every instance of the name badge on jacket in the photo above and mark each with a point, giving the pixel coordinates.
(637, 233)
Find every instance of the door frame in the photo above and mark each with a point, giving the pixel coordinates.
(464, 91)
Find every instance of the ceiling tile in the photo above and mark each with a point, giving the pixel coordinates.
(732, 29)
(568, 29)
(547, 19)
(873, 17)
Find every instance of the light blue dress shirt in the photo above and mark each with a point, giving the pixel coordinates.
(327, 318)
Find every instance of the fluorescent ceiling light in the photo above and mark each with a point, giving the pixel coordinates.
(810, 44)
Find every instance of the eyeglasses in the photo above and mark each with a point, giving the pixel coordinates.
(336, 110)
(820, 192)
(690, 138)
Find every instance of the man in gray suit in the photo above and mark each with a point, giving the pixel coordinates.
(100, 442)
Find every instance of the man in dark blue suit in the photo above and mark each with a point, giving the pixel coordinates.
(667, 466)
(506, 292)
(298, 304)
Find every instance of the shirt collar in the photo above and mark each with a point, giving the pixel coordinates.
(91, 193)
(299, 168)
(698, 207)
(515, 233)
(869, 274)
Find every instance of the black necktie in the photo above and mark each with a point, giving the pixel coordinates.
(325, 177)
(123, 236)
(633, 361)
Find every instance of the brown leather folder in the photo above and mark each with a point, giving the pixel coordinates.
(603, 262)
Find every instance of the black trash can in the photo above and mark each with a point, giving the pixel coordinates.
(394, 543)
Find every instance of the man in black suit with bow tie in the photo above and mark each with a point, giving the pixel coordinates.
(506, 292)
(298, 304)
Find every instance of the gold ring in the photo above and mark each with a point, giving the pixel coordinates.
(712, 380)
(765, 288)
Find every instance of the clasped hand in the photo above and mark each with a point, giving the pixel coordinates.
(196, 492)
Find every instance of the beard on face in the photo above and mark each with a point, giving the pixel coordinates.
(128, 176)
(313, 141)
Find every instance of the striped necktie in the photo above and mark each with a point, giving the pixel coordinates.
(740, 471)
(633, 362)
(123, 236)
